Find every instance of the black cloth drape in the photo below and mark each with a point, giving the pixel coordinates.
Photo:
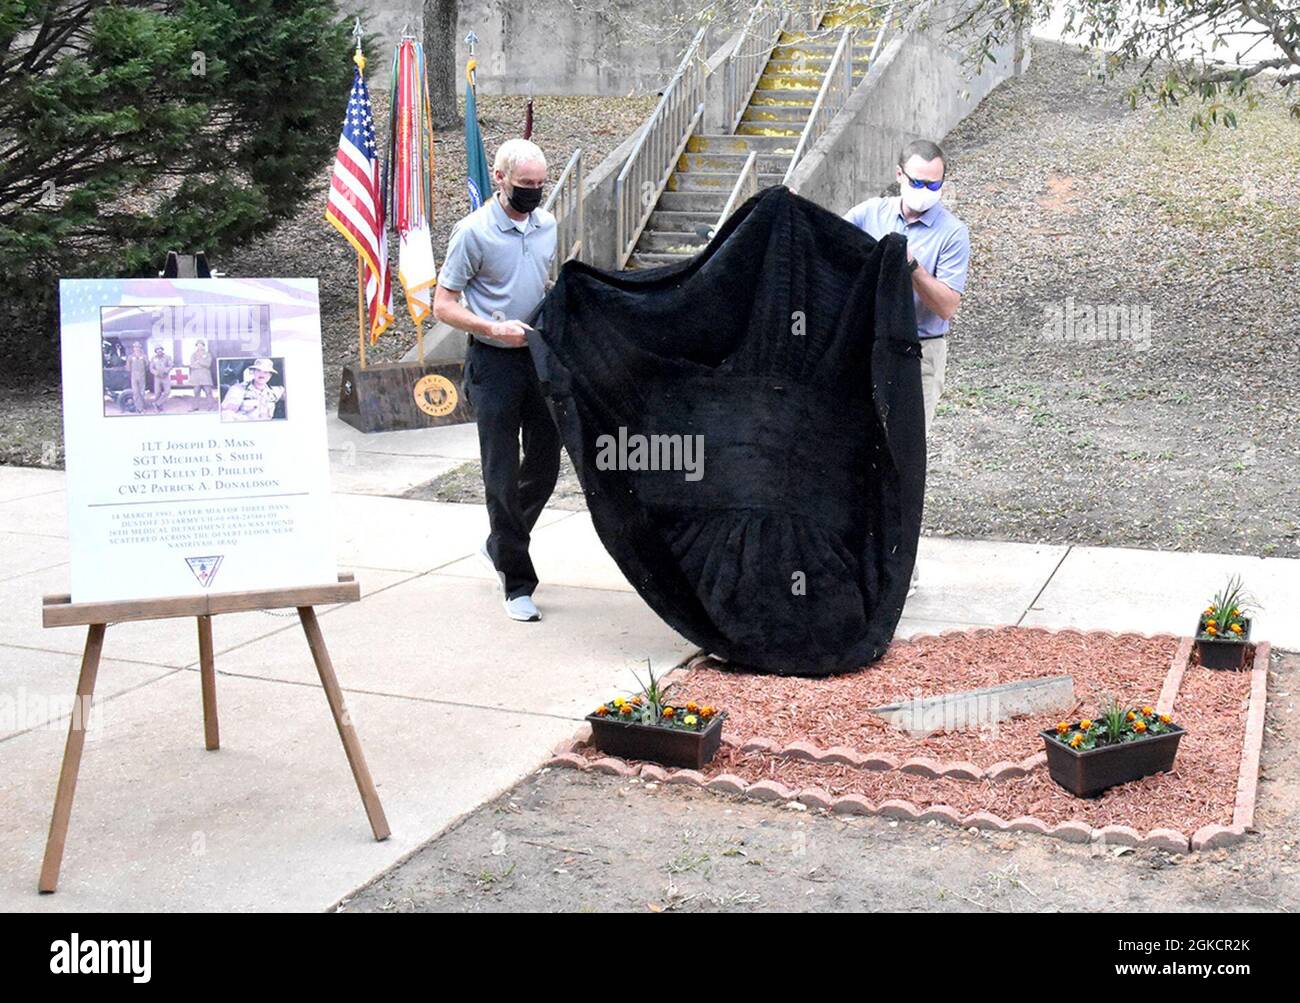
(789, 346)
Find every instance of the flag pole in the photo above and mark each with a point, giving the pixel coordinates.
(361, 311)
(360, 59)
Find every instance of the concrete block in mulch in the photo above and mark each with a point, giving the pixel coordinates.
(972, 710)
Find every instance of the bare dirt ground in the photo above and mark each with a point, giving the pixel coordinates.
(1172, 423)
(573, 842)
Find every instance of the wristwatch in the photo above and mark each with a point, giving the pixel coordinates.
(912, 266)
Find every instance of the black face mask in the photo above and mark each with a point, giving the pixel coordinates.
(524, 199)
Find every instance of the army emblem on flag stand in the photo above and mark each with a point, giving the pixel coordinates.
(436, 395)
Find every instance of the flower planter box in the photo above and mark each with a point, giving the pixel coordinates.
(666, 746)
(1087, 773)
(1222, 652)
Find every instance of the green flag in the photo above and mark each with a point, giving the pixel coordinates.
(476, 162)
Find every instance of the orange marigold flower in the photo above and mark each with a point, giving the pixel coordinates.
(1131, 716)
(1076, 740)
(602, 710)
(692, 707)
(1165, 719)
(1062, 727)
(1211, 629)
(1236, 612)
(669, 712)
(1140, 727)
(1235, 628)
(707, 712)
(1147, 711)
(1085, 724)
(626, 709)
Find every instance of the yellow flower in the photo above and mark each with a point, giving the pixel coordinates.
(690, 720)
(1211, 629)
(1140, 726)
(1076, 740)
(1131, 716)
(1236, 612)
(669, 712)
(1147, 711)
(1062, 727)
(1165, 719)
(1085, 724)
(1235, 628)
(619, 702)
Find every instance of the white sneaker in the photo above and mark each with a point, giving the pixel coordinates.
(522, 608)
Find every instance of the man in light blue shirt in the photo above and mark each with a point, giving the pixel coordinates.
(938, 253)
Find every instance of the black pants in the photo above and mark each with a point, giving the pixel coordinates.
(507, 399)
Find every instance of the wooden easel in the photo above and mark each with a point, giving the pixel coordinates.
(60, 611)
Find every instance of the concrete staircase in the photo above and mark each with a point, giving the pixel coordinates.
(770, 125)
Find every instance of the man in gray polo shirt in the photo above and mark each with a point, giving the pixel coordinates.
(499, 257)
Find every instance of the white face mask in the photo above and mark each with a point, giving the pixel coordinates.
(918, 199)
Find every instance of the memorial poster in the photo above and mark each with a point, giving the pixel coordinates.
(194, 430)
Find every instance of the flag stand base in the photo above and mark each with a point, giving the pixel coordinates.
(394, 396)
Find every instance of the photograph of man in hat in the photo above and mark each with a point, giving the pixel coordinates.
(255, 397)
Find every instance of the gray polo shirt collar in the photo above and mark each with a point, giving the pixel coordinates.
(503, 221)
(928, 217)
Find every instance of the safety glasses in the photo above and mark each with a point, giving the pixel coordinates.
(934, 186)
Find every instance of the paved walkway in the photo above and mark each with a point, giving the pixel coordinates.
(453, 702)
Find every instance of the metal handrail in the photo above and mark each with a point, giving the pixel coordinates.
(566, 204)
(746, 187)
(743, 67)
(662, 139)
(834, 91)
(880, 34)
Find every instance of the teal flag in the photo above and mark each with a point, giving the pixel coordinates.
(476, 162)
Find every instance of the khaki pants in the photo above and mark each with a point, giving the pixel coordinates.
(934, 364)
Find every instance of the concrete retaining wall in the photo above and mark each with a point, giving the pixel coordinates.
(917, 89)
(556, 46)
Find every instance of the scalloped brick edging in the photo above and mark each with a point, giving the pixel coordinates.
(1207, 837)
(774, 792)
(880, 762)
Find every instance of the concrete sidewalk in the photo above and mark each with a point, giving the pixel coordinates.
(452, 701)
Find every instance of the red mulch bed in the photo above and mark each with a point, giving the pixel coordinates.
(1201, 789)
(831, 711)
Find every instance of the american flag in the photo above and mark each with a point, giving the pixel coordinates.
(356, 207)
